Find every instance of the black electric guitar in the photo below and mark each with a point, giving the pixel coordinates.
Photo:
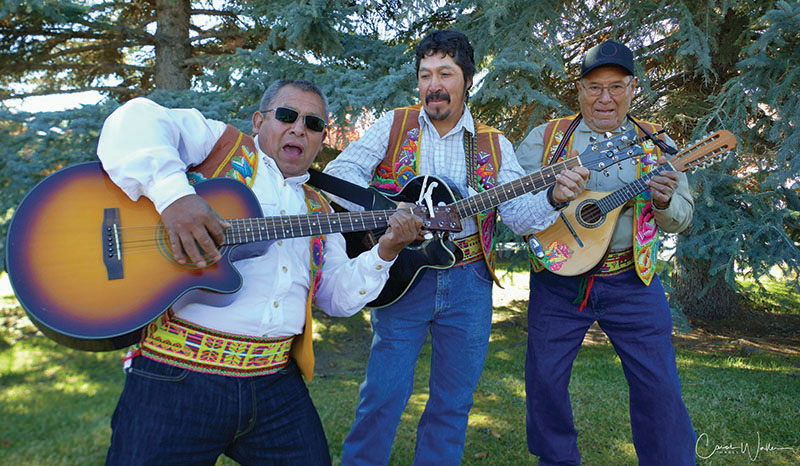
(579, 239)
(440, 252)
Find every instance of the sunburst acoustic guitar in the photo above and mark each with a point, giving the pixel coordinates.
(579, 239)
(91, 267)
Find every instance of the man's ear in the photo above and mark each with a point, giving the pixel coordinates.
(258, 118)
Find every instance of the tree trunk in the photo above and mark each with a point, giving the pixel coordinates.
(718, 302)
(172, 44)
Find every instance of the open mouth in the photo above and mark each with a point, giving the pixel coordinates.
(293, 150)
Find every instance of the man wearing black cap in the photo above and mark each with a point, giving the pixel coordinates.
(622, 293)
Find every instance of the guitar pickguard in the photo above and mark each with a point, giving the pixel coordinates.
(439, 252)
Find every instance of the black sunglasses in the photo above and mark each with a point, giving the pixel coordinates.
(287, 115)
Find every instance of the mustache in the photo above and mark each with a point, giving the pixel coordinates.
(437, 95)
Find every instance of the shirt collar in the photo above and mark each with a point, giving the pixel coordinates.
(465, 122)
(584, 128)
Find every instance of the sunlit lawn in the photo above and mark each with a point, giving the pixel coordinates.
(56, 403)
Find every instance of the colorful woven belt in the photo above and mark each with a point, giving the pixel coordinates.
(616, 262)
(177, 342)
(471, 247)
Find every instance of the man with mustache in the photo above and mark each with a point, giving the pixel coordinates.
(455, 304)
(622, 294)
(209, 378)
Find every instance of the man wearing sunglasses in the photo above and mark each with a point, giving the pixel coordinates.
(453, 305)
(622, 294)
(209, 378)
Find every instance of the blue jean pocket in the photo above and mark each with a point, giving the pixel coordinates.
(145, 367)
(481, 271)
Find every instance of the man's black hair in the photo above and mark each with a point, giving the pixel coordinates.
(453, 43)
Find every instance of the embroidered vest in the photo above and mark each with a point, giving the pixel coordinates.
(235, 156)
(401, 164)
(645, 230)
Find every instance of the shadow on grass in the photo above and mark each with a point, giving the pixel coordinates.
(56, 403)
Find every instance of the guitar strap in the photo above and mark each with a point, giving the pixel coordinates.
(660, 143)
(470, 153)
(565, 140)
(342, 188)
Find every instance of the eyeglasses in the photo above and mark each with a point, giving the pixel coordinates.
(287, 115)
(595, 90)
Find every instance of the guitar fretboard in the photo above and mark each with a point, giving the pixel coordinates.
(247, 230)
(540, 179)
(629, 191)
(505, 192)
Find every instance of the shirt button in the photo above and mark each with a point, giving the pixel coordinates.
(285, 269)
(275, 303)
(283, 212)
(280, 242)
(363, 292)
(378, 267)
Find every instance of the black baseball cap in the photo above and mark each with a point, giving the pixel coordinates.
(607, 53)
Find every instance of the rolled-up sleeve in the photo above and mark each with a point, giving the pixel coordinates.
(146, 149)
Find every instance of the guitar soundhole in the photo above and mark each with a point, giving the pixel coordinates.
(165, 248)
(589, 215)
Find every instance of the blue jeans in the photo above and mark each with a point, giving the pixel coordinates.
(455, 305)
(637, 321)
(168, 415)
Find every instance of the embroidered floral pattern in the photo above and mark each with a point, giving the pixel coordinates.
(487, 172)
(244, 167)
(317, 243)
(556, 254)
(195, 177)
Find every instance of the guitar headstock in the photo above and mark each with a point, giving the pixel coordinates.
(441, 218)
(602, 154)
(705, 152)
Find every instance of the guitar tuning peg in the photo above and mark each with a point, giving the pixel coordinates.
(609, 144)
(633, 161)
(605, 172)
(607, 134)
(592, 139)
(625, 138)
(595, 147)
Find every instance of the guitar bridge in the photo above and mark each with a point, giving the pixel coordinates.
(111, 244)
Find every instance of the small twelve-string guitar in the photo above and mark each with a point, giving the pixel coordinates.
(579, 238)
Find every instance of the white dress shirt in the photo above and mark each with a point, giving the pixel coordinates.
(444, 157)
(146, 149)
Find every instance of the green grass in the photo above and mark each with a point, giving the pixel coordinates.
(56, 403)
(781, 294)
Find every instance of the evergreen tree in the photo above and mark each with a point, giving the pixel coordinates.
(703, 65)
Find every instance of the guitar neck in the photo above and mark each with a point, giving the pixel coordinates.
(505, 192)
(547, 175)
(248, 230)
(629, 191)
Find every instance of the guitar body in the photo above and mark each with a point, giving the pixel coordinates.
(579, 238)
(440, 252)
(57, 258)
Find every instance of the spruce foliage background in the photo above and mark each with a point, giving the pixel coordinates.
(703, 65)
